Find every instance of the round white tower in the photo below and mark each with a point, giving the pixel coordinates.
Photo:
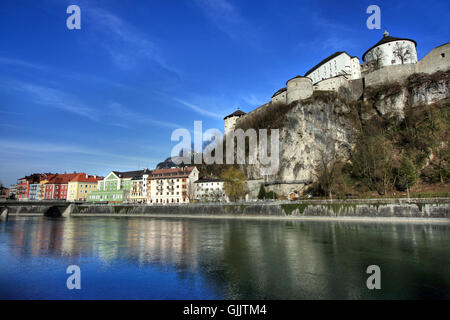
(391, 51)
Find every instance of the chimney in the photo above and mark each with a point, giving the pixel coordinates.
(87, 177)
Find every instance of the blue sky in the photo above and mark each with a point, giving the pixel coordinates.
(108, 96)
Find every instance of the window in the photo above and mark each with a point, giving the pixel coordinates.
(442, 55)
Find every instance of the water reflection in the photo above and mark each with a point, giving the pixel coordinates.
(238, 259)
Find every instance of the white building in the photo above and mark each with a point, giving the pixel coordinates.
(172, 186)
(211, 190)
(391, 51)
(33, 193)
(338, 64)
(230, 120)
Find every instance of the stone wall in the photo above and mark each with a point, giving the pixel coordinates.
(332, 84)
(437, 59)
(386, 208)
(396, 73)
(418, 208)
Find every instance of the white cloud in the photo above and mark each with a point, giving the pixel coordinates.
(198, 109)
(126, 45)
(227, 18)
(20, 63)
(120, 111)
(52, 98)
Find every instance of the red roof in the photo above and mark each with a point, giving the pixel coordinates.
(83, 177)
(62, 178)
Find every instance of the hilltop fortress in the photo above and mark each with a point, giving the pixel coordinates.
(391, 59)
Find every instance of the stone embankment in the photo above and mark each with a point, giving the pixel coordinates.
(394, 208)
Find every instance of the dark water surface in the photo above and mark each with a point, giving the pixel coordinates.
(157, 258)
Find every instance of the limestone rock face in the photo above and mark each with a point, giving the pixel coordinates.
(312, 130)
(393, 105)
(324, 127)
(429, 92)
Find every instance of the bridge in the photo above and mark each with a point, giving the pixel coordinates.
(36, 208)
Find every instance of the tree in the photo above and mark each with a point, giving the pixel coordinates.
(235, 184)
(326, 170)
(262, 192)
(376, 57)
(271, 195)
(407, 175)
(402, 52)
(373, 163)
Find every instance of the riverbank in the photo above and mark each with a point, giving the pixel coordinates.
(373, 208)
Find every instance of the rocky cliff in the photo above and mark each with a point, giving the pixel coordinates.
(325, 127)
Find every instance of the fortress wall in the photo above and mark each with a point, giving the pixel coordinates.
(396, 73)
(332, 84)
(437, 59)
(281, 98)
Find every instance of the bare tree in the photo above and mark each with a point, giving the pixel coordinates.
(402, 52)
(376, 57)
(326, 171)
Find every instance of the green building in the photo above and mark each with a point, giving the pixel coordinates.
(114, 188)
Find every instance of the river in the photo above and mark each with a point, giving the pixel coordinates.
(162, 258)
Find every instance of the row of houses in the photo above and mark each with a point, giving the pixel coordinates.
(54, 186)
(159, 186)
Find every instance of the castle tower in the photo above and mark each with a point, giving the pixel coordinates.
(298, 88)
(391, 51)
(279, 96)
(230, 120)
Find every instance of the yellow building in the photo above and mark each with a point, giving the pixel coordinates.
(81, 186)
(42, 184)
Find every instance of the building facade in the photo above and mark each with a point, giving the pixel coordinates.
(81, 186)
(12, 191)
(28, 184)
(33, 194)
(4, 193)
(140, 187)
(209, 190)
(58, 186)
(115, 187)
(172, 186)
(338, 64)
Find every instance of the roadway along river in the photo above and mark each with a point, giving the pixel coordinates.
(157, 258)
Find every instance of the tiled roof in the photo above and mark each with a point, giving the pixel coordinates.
(81, 177)
(384, 40)
(62, 178)
(237, 113)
